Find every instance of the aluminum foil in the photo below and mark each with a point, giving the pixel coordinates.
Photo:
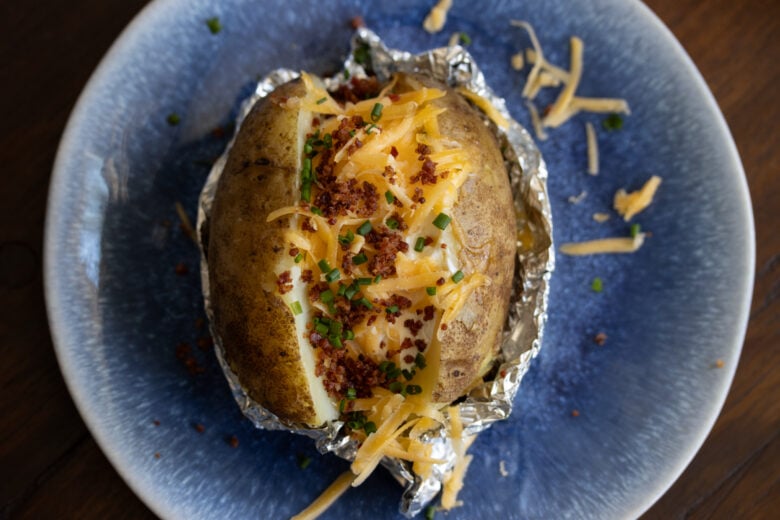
(491, 401)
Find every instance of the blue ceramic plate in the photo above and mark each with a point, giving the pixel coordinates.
(127, 325)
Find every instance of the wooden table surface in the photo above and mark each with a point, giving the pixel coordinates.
(50, 467)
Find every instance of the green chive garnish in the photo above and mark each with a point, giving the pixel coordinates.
(370, 127)
(327, 296)
(306, 191)
(384, 366)
(389, 197)
(392, 309)
(327, 141)
(298, 258)
(376, 112)
(342, 404)
(321, 328)
(635, 230)
(364, 301)
(346, 72)
(351, 291)
(214, 25)
(465, 39)
(364, 229)
(324, 265)
(458, 276)
(419, 361)
(364, 281)
(296, 308)
(430, 512)
(408, 375)
(359, 259)
(321, 101)
(333, 275)
(419, 245)
(347, 238)
(348, 334)
(352, 133)
(392, 223)
(335, 341)
(173, 119)
(303, 462)
(351, 393)
(413, 389)
(597, 285)
(378, 278)
(431, 291)
(369, 427)
(306, 170)
(612, 122)
(308, 148)
(442, 221)
(317, 211)
(396, 387)
(342, 289)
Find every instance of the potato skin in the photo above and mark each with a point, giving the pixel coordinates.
(256, 326)
(485, 213)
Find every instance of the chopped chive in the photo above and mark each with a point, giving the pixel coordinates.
(335, 328)
(384, 366)
(365, 303)
(351, 291)
(342, 289)
(214, 25)
(396, 387)
(369, 427)
(365, 228)
(306, 169)
(173, 119)
(408, 375)
(419, 361)
(306, 191)
(370, 127)
(342, 404)
(317, 211)
(347, 238)
(635, 230)
(298, 258)
(348, 334)
(296, 308)
(324, 265)
(335, 341)
(346, 72)
(392, 309)
(442, 221)
(378, 278)
(458, 276)
(430, 512)
(327, 141)
(464, 38)
(322, 100)
(333, 275)
(392, 223)
(327, 296)
(321, 328)
(359, 259)
(419, 245)
(389, 197)
(431, 291)
(612, 122)
(352, 133)
(364, 281)
(394, 373)
(303, 462)
(413, 389)
(376, 112)
(307, 148)
(361, 55)
(597, 285)
(351, 393)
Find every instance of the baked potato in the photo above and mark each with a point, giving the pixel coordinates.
(360, 251)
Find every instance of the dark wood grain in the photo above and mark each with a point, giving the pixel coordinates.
(48, 53)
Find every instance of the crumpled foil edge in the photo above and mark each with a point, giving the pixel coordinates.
(491, 401)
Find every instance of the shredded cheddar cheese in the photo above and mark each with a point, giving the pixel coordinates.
(436, 19)
(326, 499)
(593, 149)
(604, 245)
(629, 204)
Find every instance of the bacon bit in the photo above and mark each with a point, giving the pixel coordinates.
(306, 226)
(575, 413)
(357, 22)
(157, 455)
(502, 373)
(389, 173)
(443, 326)
(443, 246)
(205, 343)
(181, 269)
(440, 281)
(406, 344)
(388, 244)
(218, 132)
(371, 320)
(428, 241)
(340, 371)
(427, 174)
(316, 290)
(200, 428)
(413, 326)
(294, 251)
(156, 422)
(284, 282)
(424, 150)
(357, 143)
(233, 441)
(600, 339)
(307, 276)
(428, 311)
(394, 98)
(421, 345)
(315, 122)
(418, 195)
(393, 149)
(346, 263)
(408, 358)
(358, 89)
(719, 363)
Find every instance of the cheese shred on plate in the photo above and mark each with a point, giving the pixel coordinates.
(629, 204)
(604, 245)
(436, 19)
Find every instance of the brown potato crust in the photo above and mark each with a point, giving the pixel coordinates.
(254, 323)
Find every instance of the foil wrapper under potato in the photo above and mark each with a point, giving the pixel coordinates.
(492, 400)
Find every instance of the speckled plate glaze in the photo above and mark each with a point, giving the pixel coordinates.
(646, 399)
